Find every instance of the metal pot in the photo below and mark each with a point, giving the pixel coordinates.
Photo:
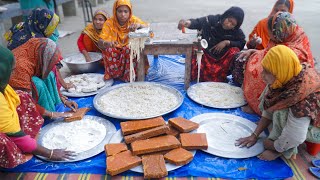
(78, 65)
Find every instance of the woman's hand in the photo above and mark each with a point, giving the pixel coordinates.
(247, 141)
(55, 115)
(69, 85)
(184, 23)
(133, 27)
(245, 55)
(71, 104)
(106, 44)
(61, 154)
(220, 46)
(256, 40)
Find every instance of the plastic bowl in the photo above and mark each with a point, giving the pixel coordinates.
(78, 65)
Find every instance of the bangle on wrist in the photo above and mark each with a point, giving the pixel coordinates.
(51, 115)
(51, 153)
(255, 134)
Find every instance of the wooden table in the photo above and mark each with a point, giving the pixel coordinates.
(180, 44)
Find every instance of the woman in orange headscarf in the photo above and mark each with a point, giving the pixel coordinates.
(284, 30)
(261, 29)
(88, 39)
(114, 40)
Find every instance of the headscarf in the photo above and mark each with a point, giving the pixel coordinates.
(261, 29)
(279, 2)
(283, 63)
(91, 31)
(37, 57)
(283, 26)
(9, 100)
(6, 64)
(41, 23)
(113, 31)
(236, 13)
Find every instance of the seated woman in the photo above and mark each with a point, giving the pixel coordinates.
(40, 24)
(290, 102)
(225, 39)
(20, 122)
(88, 39)
(36, 58)
(284, 30)
(261, 29)
(114, 41)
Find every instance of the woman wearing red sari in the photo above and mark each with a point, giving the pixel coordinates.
(88, 39)
(20, 121)
(283, 30)
(114, 40)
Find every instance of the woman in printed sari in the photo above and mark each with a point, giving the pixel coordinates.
(28, 5)
(40, 24)
(225, 39)
(261, 29)
(20, 121)
(35, 60)
(290, 101)
(284, 30)
(114, 40)
(88, 39)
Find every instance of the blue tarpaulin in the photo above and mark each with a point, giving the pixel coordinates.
(169, 70)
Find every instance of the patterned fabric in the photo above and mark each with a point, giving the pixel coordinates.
(41, 23)
(30, 123)
(261, 29)
(6, 64)
(282, 63)
(117, 63)
(253, 84)
(113, 31)
(37, 57)
(301, 93)
(91, 31)
(211, 68)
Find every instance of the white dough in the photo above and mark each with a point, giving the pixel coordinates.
(76, 136)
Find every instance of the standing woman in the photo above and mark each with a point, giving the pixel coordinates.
(20, 121)
(114, 40)
(35, 59)
(283, 30)
(88, 39)
(261, 29)
(225, 39)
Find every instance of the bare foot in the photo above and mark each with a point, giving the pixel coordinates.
(247, 109)
(269, 155)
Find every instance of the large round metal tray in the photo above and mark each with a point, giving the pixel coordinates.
(76, 57)
(222, 131)
(170, 89)
(118, 138)
(82, 94)
(111, 129)
(221, 104)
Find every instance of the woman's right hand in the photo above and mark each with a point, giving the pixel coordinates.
(184, 23)
(62, 154)
(55, 115)
(247, 141)
(245, 55)
(107, 44)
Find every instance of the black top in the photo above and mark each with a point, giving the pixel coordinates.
(211, 30)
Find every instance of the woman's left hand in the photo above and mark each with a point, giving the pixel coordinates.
(133, 27)
(220, 46)
(72, 105)
(69, 85)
